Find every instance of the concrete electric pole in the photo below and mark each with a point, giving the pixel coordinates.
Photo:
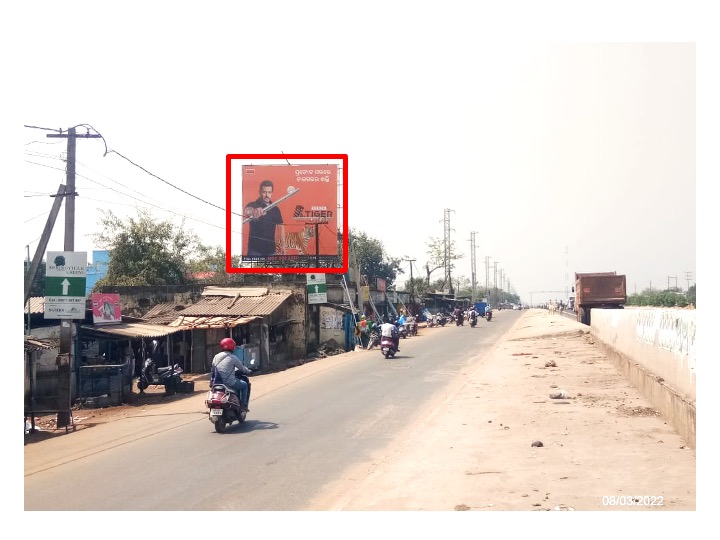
(65, 357)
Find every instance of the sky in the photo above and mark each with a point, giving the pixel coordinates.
(561, 157)
(563, 136)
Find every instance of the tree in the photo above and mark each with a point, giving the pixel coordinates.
(691, 296)
(656, 298)
(144, 251)
(437, 257)
(371, 258)
(213, 259)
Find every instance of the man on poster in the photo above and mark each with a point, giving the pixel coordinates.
(263, 221)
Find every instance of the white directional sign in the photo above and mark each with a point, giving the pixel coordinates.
(316, 289)
(65, 278)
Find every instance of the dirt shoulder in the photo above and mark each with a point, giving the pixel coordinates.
(603, 446)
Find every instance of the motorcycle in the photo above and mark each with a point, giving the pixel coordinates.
(459, 319)
(373, 339)
(473, 319)
(387, 347)
(488, 314)
(402, 331)
(168, 376)
(224, 405)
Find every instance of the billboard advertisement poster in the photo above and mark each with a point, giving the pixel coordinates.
(106, 308)
(289, 215)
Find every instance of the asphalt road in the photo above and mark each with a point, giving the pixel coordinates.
(297, 439)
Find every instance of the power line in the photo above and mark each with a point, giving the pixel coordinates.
(172, 185)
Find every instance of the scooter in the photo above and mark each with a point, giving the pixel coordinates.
(224, 405)
(168, 376)
(387, 347)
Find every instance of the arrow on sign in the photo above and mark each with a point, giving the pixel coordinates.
(316, 288)
(65, 285)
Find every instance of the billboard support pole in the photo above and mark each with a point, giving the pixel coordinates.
(317, 244)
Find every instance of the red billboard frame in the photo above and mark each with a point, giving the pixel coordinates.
(228, 214)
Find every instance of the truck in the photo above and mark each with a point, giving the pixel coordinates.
(606, 290)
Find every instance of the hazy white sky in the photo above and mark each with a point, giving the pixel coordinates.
(555, 130)
(561, 157)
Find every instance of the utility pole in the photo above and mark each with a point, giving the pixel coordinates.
(688, 277)
(473, 267)
(495, 295)
(669, 278)
(65, 357)
(42, 245)
(566, 275)
(412, 284)
(487, 278)
(502, 287)
(447, 245)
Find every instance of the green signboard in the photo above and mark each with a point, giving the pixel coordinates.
(316, 289)
(65, 281)
(65, 286)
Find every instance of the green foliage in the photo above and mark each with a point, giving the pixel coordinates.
(656, 298)
(144, 251)
(370, 255)
(417, 286)
(212, 259)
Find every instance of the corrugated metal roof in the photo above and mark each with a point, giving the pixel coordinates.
(38, 344)
(189, 322)
(134, 329)
(37, 305)
(163, 313)
(224, 306)
(234, 291)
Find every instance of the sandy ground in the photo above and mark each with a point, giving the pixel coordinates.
(603, 446)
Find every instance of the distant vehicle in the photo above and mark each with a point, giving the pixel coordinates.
(598, 290)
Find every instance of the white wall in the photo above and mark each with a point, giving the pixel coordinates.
(660, 340)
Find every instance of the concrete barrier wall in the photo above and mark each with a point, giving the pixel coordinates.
(655, 349)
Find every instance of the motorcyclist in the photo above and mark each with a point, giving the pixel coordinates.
(388, 329)
(225, 362)
(473, 315)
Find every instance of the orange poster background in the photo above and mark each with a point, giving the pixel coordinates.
(315, 196)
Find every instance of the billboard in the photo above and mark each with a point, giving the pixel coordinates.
(106, 308)
(289, 214)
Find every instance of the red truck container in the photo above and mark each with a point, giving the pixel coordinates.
(598, 290)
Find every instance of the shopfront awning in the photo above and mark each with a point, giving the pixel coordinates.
(132, 330)
(190, 322)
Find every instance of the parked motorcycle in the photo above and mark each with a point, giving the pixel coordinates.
(387, 347)
(168, 376)
(373, 339)
(224, 405)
